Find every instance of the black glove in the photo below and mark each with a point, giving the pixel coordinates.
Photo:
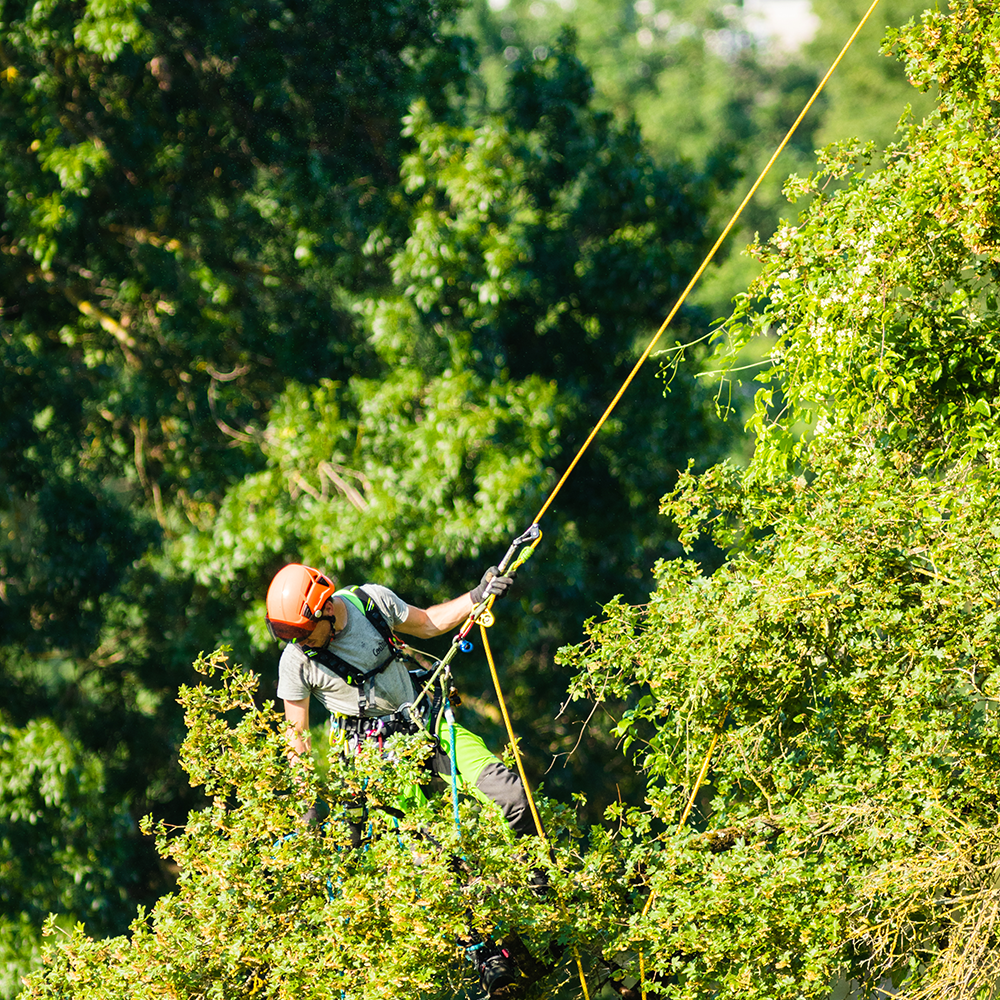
(491, 583)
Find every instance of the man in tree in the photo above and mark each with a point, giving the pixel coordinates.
(342, 647)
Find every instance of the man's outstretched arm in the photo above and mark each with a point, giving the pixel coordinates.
(426, 623)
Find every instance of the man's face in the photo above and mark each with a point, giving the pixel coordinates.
(323, 631)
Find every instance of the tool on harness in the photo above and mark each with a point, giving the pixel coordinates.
(356, 815)
(499, 975)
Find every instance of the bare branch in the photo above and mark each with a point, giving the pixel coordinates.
(220, 423)
(333, 473)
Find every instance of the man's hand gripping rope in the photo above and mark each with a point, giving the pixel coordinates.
(495, 583)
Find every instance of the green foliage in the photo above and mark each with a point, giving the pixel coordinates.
(898, 338)
(700, 86)
(852, 655)
(537, 243)
(63, 846)
(250, 315)
(180, 189)
(186, 190)
(693, 75)
(185, 195)
(838, 674)
(247, 317)
(266, 906)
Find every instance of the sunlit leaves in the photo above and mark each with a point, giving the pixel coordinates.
(837, 676)
(268, 905)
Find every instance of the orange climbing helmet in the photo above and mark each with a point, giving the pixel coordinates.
(295, 601)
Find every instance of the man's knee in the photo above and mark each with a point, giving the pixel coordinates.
(504, 787)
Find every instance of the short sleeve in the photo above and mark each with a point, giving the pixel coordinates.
(291, 683)
(395, 609)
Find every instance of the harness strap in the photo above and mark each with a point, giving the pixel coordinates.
(361, 679)
(365, 603)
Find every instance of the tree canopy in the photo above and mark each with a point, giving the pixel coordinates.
(823, 702)
(839, 670)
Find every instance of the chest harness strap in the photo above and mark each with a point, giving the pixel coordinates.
(361, 679)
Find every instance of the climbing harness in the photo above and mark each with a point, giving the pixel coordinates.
(348, 732)
(352, 729)
(346, 671)
(361, 679)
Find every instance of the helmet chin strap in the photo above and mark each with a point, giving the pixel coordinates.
(334, 631)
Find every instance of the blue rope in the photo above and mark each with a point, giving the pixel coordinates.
(450, 716)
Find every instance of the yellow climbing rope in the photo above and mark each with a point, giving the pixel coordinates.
(510, 732)
(701, 270)
(483, 614)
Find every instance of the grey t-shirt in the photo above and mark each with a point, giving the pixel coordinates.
(360, 645)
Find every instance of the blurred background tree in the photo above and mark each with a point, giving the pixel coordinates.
(718, 84)
(62, 849)
(167, 172)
